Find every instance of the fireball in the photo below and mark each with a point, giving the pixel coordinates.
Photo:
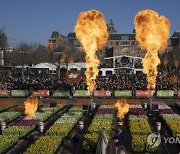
(91, 31)
(152, 33)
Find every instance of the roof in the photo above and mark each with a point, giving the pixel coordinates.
(112, 36)
(74, 65)
(176, 34)
(72, 35)
(45, 65)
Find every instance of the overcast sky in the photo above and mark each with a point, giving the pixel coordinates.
(34, 20)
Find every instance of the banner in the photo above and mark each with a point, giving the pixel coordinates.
(102, 93)
(144, 93)
(19, 93)
(4, 93)
(40, 93)
(165, 93)
(123, 93)
(80, 93)
(178, 93)
(61, 93)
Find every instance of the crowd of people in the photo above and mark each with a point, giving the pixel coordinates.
(121, 81)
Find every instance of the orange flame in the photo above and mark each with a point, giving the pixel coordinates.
(91, 31)
(152, 33)
(31, 105)
(123, 107)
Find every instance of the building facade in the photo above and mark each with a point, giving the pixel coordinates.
(118, 45)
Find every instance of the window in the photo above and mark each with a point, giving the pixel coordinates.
(111, 43)
(75, 43)
(108, 73)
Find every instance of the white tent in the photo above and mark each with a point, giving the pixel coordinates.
(49, 66)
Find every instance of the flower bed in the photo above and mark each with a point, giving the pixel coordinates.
(98, 124)
(135, 106)
(45, 144)
(171, 119)
(56, 133)
(158, 103)
(17, 130)
(105, 111)
(133, 102)
(139, 144)
(90, 142)
(174, 126)
(63, 126)
(18, 108)
(8, 105)
(6, 102)
(61, 101)
(166, 111)
(100, 121)
(24, 122)
(46, 113)
(170, 116)
(165, 106)
(80, 102)
(7, 142)
(139, 130)
(9, 116)
(108, 102)
(60, 129)
(136, 111)
(139, 127)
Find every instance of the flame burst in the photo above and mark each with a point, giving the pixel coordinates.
(31, 105)
(91, 31)
(123, 107)
(152, 33)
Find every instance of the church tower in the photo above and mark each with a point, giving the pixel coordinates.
(111, 28)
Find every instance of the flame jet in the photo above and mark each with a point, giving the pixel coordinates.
(91, 31)
(123, 107)
(152, 33)
(31, 105)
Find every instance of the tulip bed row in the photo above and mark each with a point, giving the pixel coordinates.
(19, 131)
(171, 119)
(139, 129)
(47, 112)
(45, 144)
(6, 106)
(101, 120)
(9, 116)
(11, 135)
(55, 134)
(63, 125)
(7, 142)
(6, 102)
(21, 107)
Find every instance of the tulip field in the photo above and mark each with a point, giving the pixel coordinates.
(62, 134)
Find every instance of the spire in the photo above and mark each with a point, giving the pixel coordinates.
(134, 31)
(111, 28)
